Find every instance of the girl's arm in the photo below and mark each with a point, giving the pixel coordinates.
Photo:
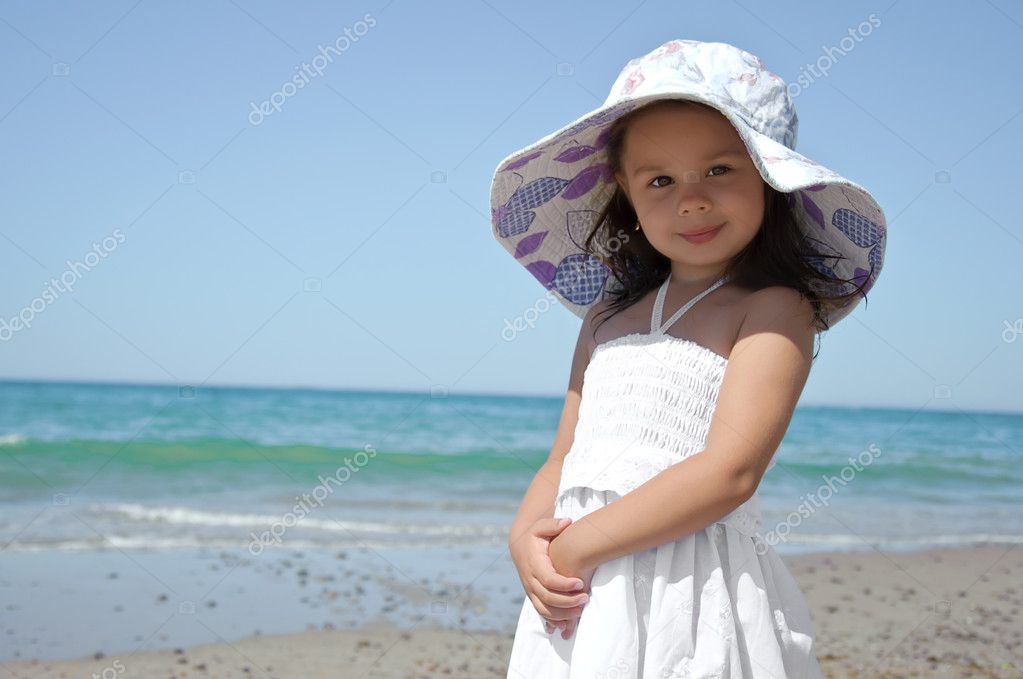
(765, 375)
(538, 501)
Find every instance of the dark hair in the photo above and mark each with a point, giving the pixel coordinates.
(778, 255)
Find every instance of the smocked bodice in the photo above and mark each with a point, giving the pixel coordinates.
(647, 403)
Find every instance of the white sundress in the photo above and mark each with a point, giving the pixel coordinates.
(718, 602)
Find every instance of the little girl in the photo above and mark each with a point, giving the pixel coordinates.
(705, 255)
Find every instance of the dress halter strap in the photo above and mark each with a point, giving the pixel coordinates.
(662, 292)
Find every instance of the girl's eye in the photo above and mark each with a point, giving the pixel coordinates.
(657, 186)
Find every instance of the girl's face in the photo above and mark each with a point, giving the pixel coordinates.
(685, 170)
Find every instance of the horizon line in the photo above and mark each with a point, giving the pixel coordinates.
(407, 392)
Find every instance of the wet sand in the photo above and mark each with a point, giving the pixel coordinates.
(936, 613)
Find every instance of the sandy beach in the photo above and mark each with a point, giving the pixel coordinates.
(936, 613)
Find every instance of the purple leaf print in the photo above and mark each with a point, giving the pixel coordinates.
(816, 187)
(875, 258)
(580, 278)
(834, 287)
(869, 284)
(600, 118)
(818, 264)
(876, 255)
(514, 165)
(860, 275)
(856, 227)
(514, 223)
(812, 209)
(529, 244)
(575, 153)
(535, 193)
(495, 215)
(543, 271)
(584, 181)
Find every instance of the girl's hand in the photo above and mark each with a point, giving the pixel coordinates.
(562, 562)
(557, 598)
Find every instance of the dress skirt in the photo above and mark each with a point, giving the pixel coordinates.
(718, 603)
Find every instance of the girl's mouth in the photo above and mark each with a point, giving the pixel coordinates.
(703, 236)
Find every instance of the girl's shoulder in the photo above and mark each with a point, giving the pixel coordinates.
(773, 298)
(713, 322)
(777, 300)
(725, 320)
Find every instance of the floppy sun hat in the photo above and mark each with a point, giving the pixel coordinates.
(546, 197)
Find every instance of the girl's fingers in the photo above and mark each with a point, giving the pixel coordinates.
(560, 615)
(556, 582)
(559, 600)
(553, 614)
(550, 527)
(540, 607)
(550, 627)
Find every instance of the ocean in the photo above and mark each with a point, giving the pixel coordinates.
(278, 510)
(158, 467)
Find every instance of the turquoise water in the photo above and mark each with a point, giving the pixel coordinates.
(86, 466)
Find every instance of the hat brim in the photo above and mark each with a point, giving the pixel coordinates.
(545, 199)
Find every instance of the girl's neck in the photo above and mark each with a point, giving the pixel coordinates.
(695, 277)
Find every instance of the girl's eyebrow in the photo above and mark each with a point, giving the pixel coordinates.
(721, 154)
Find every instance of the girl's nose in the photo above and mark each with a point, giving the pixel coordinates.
(692, 199)
(692, 204)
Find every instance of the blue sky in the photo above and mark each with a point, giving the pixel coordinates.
(343, 241)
